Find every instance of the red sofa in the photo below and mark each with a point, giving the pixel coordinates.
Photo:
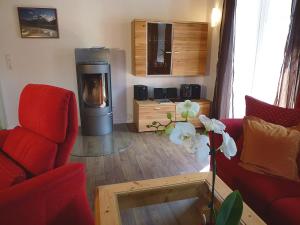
(274, 199)
(36, 187)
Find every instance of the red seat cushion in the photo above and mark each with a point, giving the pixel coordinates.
(259, 190)
(227, 170)
(43, 109)
(32, 151)
(10, 173)
(271, 113)
(285, 211)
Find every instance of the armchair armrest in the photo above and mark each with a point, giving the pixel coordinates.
(56, 197)
(3, 136)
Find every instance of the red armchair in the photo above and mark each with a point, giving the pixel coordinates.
(36, 187)
(275, 199)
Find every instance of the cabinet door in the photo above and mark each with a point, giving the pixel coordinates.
(159, 40)
(139, 47)
(189, 49)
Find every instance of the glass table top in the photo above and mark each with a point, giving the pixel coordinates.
(92, 146)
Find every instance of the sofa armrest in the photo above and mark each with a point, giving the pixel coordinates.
(3, 136)
(234, 127)
(56, 197)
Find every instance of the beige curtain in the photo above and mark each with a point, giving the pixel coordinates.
(289, 83)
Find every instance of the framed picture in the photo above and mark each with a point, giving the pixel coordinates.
(38, 22)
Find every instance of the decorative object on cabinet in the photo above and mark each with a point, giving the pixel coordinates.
(147, 111)
(38, 22)
(169, 48)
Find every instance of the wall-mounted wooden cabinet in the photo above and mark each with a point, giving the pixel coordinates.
(169, 48)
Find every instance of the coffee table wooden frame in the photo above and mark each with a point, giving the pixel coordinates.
(110, 199)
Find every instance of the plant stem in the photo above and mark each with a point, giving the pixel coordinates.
(214, 171)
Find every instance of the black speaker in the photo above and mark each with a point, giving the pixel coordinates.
(185, 91)
(140, 92)
(195, 91)
(159, 93)
(171, 93)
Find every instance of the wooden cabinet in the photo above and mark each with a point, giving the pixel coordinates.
(170, 48)
(189, 48)
(145, 112)
(204, 109)
(139, 47)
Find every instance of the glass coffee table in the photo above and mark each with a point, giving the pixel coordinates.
(114, 201)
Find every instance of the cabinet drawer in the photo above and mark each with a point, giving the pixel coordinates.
(148, 114)
(204, 109)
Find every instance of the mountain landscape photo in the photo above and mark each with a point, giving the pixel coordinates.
(38, 22)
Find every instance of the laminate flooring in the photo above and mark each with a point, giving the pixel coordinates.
(148, 156)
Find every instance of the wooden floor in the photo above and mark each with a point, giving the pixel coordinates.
(149, 156)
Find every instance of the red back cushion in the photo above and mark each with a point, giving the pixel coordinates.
(271, 113)
(43, 109)
(32, 151)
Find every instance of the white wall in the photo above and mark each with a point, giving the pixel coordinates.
(85, 24)
(2, 114)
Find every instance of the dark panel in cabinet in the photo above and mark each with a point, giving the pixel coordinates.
(159, 40)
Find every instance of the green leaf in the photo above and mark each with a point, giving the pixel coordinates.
(169, 129)
(169, 115)
(231, 210)
(184, 115)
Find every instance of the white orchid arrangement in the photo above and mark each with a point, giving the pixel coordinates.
(184, 133)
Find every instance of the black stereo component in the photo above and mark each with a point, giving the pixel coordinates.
(195, 91)
(140, 92)
(185, 91)
(171, 93)
(159, 93)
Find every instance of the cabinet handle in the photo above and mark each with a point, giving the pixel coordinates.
(157, 108)
(176, 52)
(168, 52)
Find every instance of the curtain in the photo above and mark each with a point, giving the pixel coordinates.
(288, 86)
(225, 69)
(261, 31)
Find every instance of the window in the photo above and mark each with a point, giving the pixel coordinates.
(261, 32)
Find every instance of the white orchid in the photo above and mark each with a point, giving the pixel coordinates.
(181, 132)
(188, 108)
(200, 145)
(212, 124)
(228, 146)
(184, 133)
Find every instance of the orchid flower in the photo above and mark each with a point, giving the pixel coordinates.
(212, 124)
(228, 146)
(181, 132)
(188, 109)
(200, 145)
